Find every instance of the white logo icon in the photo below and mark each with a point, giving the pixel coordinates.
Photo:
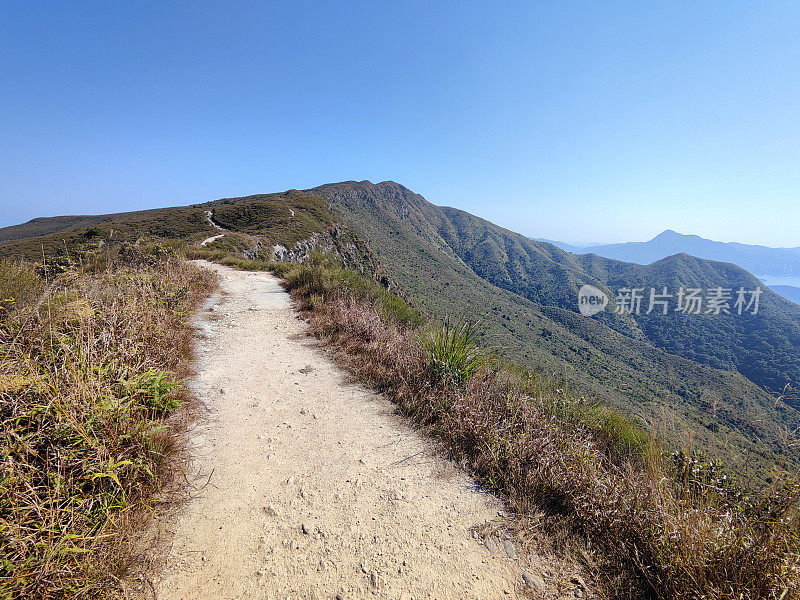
(591, 300)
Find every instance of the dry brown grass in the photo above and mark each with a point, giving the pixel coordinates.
(91, 364)
(660, 526)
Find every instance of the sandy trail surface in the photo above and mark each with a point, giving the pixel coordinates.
(308, 486)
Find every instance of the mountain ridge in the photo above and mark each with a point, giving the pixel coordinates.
(452, 263)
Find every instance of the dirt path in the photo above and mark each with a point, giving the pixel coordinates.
(213, 238)
(214, 224)
(316, 489)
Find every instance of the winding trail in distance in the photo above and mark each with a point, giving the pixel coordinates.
(309, 486)
(214, 224)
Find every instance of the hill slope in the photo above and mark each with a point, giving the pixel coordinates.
(283, 218)
(525, 294)
(765, 347)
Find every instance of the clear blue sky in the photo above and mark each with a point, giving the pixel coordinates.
(580, 121)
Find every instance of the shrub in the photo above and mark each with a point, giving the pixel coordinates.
(19, 284)
(153, 388)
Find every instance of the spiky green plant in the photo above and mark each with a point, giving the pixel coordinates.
(454, 354)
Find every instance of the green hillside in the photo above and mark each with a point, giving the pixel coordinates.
(66, 233)
(454, 263)
(765, 347)
(268, 215)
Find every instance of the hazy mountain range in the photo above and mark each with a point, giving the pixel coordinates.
(777, 267)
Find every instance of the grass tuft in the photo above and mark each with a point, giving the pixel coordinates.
(454, 354)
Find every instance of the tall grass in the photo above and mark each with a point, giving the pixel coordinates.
(454, 354)
(659, 525)
(91, 359)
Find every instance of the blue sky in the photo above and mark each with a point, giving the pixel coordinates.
(580, 121)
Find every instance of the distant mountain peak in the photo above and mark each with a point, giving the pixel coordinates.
(670, 235)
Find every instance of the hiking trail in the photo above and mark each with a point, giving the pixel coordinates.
(309, 486)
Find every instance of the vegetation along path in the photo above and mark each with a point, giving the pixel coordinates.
(308, 486)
